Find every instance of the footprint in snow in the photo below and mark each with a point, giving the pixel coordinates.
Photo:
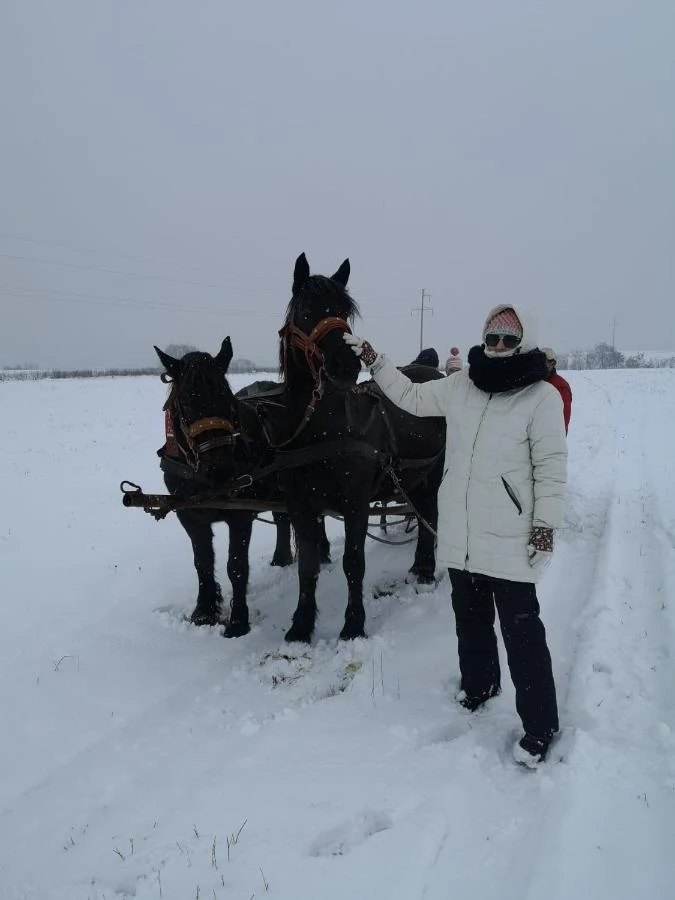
(343, 838)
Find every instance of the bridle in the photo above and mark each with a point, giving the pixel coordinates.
(308, 344)
(294, 338)
(191, 448)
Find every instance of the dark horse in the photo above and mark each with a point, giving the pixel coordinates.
(353, 446)
(213, 441)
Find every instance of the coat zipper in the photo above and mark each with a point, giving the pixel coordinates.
(466, 498)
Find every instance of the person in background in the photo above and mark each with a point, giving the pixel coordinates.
(501, 497)
(428, 357)
(559, 383)
(454, 361)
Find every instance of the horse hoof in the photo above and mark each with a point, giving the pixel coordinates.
(297, 635)
(421, 579)
(282, 561)
(424, 584)
(205, 616)
(236, 629)
(350, 633)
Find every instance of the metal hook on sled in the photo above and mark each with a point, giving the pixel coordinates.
(131, 489)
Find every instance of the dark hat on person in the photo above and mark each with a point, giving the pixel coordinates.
(427, 357)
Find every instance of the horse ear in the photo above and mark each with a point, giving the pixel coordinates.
(171, 364)
(300, 274)
(224, 357)
(342, 274)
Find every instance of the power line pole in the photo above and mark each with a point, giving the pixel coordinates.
(421, 309)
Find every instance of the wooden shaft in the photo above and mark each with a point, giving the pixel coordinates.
(169, 502)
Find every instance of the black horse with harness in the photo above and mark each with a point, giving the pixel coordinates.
(343, 445)
(214, 440)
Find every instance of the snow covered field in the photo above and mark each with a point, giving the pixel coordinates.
(142, 757)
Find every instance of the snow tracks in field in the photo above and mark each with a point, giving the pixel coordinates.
(597, 819)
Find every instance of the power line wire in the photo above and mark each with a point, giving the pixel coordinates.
(30, 294)
(215, 286)
(163, 278)
(137, 302)
(107, 252)
(131, 300)
(97, 252)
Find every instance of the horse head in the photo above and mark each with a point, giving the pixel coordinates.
(202, 409)
(319, 312)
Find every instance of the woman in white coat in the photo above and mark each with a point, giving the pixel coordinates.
(501, 497)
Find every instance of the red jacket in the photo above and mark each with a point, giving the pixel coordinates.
(566, 393)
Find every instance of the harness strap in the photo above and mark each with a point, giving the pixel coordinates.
(401, 489)
(290, 459)
(419, 463)
(310, 409)
(213, 443)
(210, 424)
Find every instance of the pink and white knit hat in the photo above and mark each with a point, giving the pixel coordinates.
(504, 322)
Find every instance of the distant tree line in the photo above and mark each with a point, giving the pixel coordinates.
(15, 374)
(604, 356)
(32, 372)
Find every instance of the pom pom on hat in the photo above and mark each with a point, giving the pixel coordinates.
(453, 362)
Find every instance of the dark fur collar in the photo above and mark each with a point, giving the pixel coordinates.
(494, 376)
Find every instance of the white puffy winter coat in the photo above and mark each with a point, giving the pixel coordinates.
(505, 467)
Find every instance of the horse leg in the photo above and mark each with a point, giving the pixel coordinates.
(209, 599)
(241, 527)
(423, 568)
(304, 617)
(324, 543)
(354, 566)
(283, 554)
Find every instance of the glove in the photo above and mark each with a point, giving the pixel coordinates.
(361, 348)
(540, 547)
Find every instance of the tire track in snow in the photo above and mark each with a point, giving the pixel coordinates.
(617, 695)
(568, 597)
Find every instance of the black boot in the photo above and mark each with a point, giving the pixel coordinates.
(474, 703)
(530, 751)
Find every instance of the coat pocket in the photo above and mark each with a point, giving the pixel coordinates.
(512, 495)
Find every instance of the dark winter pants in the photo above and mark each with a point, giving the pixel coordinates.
(474, 598)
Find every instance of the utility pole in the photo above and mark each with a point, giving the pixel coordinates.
(421, 309)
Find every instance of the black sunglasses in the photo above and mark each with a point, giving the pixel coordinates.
(510, 340)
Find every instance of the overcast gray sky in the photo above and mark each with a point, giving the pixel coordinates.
(163, 163)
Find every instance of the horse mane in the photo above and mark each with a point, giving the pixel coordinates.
(320, 292)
